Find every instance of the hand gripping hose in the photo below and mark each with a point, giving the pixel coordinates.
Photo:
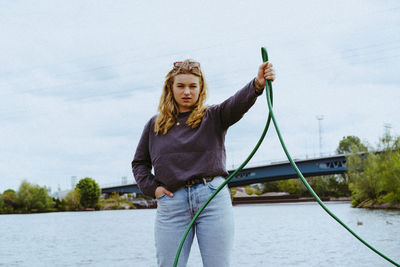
(271, 116)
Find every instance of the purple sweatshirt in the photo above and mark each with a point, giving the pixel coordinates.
(185, 153)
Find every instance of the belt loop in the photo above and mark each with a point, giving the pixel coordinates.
(204, 181)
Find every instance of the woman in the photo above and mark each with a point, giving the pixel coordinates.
(184, 144)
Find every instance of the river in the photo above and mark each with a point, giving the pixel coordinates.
(296, 234)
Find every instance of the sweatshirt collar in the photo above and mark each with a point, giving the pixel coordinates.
(184, 114)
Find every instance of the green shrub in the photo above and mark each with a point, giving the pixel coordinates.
(72, 200)
(249, 190)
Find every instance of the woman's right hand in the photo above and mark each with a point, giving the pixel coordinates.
(160, 191)
(265, 72)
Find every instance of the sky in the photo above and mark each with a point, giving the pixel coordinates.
(79, 79)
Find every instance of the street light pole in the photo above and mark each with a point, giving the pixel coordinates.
(320, 118)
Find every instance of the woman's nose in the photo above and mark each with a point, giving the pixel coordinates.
(186, 91)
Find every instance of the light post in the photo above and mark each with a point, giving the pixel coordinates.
(320, 118)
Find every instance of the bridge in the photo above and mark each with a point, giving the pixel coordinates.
(267, 173)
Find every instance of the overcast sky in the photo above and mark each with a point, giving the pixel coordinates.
(79, 79)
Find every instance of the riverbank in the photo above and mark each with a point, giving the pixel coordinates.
(370, 204)
(280, 199)
(286, 198)
(263, 199)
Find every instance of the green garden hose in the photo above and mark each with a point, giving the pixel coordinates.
(271, 116)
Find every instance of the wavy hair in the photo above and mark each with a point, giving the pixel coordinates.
(168, 108)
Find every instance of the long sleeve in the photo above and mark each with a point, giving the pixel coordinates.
(233, 109)
(141, 164)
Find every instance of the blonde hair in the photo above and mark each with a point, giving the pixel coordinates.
(168, 108)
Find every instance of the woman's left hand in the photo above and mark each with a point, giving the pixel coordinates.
(265, 72)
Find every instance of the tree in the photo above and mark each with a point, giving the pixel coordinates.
(349, 143)
(10, 201)
(328, 186)
(33, 198)
(389, 168)
(72, 200)
(60, 205)
(2, 205)
(89, 191)
(364, 183)
(376, 176)
(291, 186)
(270, 187)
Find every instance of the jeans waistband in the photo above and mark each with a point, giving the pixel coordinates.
(196, 181)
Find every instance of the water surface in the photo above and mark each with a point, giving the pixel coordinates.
(297, 234)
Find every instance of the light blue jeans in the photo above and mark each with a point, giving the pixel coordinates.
(214, 227)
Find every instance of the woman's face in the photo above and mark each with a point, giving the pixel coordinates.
(186, 90)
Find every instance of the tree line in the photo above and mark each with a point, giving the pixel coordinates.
(32, 198)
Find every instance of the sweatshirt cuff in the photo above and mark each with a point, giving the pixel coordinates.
(149, 189)
(253, 85)
(152, 190)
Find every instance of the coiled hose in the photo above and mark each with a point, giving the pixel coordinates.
(268, 87)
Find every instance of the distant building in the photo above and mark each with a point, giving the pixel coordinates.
(61, 194)
(48, 188)
(74, 181)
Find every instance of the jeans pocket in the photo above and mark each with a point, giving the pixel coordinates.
(162, 197)
(216, 182)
